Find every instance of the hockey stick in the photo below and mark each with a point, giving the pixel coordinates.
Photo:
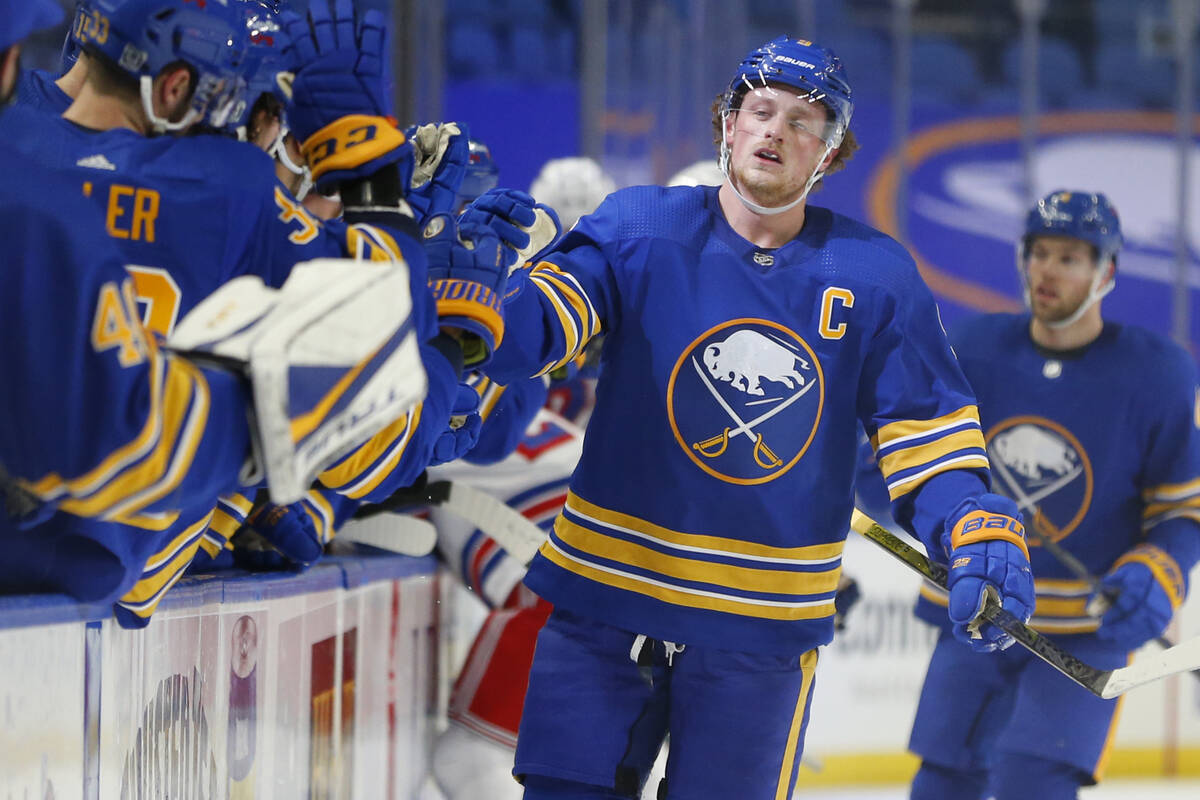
(395, 533)
(509, 527)
(1103, 683)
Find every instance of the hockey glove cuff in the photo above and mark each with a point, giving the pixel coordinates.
(989, 562)
(1147, 587)
(468, 269)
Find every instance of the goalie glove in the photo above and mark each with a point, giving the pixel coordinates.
(340, 110)
(440, 154)
(523, 224)
(331, 358)
(468, 270)
(985, 539)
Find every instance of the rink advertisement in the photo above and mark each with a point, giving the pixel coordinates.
(276, 686)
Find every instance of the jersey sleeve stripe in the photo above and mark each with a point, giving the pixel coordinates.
(898, 460)
(53, 486)
(898, 486)
(321, 512)
(593, 327)
(186, 445)
(357, 461)
(1172, 492)
(567, 324)
(184, 411)
(387, 463)
(903, 431)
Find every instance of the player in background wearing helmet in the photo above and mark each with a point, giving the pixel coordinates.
(1091, 429)
(693, 569)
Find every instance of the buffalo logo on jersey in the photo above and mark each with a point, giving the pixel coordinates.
(1044, 468)
(744, 400)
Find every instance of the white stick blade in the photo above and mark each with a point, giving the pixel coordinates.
(396, 533)
(1183, 657)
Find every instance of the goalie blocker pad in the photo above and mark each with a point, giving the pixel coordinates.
(331, 356)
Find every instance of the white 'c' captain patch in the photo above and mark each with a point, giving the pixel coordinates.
(744, 400)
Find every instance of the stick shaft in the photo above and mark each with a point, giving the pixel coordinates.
(1087, 676)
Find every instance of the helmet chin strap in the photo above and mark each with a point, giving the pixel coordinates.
(768, 211)
(157, 123)
(1096, 293)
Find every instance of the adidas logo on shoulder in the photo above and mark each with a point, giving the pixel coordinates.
(97, 161)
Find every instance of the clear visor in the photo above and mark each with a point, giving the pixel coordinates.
(774, 108)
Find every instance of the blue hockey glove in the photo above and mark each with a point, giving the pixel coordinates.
(440, 155)
(340, 110)
(463, 432)
(1146, 587)
(985, 540)
(523, 224)
(290, 532)
(468, 270)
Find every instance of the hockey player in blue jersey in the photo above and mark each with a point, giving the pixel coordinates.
(100, 421)
(209, 208)
(693, 569)
(1091, 429)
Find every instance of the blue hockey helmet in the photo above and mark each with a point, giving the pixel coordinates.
(23, 17)
(72, 44)
(141, 37)
(1086, 216)
(266, 67)
(1089, 217)
(817, 73)
(481, 175)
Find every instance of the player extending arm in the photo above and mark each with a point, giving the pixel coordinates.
(745, 333)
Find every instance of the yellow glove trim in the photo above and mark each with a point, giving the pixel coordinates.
(984, 526)
(350, 142)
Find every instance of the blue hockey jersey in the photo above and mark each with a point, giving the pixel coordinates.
(713, 498)
(99, 422)
(189, 213)
(36, 88)
(1099, 448)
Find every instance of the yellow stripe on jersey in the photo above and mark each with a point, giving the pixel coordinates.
(1171, 492)
(1174, 508)
(239, 501)
(321, 513)
(161, 470)
(223, 524)
(895, 433)
(166, 565)
(349, 468)
(898, 460)
(725, 576)
(737, 548)
(491, 396)
(386, 450)
(576, 315)
(53, 485)
(686, 596)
